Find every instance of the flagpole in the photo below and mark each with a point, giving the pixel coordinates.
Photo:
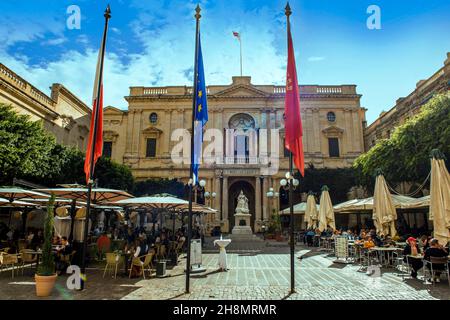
(191, 178)
(240, 46)
(107, 16)
(288, 12)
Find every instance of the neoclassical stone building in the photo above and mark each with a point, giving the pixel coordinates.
(145, 137)
(62, 113)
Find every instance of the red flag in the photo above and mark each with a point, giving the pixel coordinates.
(237, 35)
(95, 125)
(293, 121)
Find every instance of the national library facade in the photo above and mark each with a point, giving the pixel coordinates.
(244, 151)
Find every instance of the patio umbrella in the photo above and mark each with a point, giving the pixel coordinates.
(440, 198)
(384, 213)
(99, 195)
(311, 213)
(326, 213)
(157, 202)
(6, 203)
(14, 193)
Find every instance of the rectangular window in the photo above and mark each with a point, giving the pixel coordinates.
(107, 149)
(151, 148)
(333, 146)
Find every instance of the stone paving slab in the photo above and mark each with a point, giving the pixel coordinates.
(267, 276)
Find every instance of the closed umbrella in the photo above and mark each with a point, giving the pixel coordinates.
(311, 213)
(326, 213)
(440, 198)
(384, 214)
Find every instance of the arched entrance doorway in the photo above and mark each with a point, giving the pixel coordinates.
(233, 194)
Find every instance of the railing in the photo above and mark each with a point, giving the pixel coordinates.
(278, 90)
(329, 90)
(12, 76)
(155, 91)
(41, 97)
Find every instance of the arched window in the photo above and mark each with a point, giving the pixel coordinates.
(241, 121)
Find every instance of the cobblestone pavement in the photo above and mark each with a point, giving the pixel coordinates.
(267, 276)
(251, 275)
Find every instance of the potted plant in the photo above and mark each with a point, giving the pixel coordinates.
(46, 276)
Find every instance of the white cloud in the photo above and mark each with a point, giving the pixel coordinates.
(166, 32)
(315, 59)
(55, 42)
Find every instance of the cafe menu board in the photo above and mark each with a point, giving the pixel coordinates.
(341, 247)
(196, 252)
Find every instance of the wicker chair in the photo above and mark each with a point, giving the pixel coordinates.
(148, 263)
(113, 261)
(137, 262)
(161, 251)
(9, 260)
(27, 258)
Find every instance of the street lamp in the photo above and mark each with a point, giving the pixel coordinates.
(271, 194)
(290, 183)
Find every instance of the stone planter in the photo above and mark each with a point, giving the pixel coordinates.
(44, 284)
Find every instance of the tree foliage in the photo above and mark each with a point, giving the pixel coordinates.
(28, 151)
(158, 186)
(25, 147)
(406, 155)
(339, 182)
(47, 266)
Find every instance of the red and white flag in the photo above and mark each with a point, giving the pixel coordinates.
(293, 121)
(96, 119)
(237, 35)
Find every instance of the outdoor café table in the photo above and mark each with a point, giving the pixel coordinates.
(380, 252)
(222, 243)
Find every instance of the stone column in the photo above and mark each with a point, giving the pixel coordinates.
(218, 199)
(265, 199)
(225, 221)
(257, 205)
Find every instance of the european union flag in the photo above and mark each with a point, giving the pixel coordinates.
(201, 112)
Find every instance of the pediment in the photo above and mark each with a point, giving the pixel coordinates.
(112, 110)
(152, 129)
(241, 91)
(333, 131)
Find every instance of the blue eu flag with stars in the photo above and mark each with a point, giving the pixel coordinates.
(201, 113)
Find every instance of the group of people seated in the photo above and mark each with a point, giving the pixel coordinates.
(424, 248)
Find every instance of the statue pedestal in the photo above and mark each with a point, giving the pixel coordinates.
(242, 224)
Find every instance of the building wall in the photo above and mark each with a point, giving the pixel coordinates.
(128, 130)
(62, 114)
(406, 107)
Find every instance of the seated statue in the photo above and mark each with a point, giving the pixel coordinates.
(242, 205)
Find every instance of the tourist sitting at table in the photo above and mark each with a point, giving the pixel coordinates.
(56, 241)
(103, 245)
(411, 255)
(37, 241)
(310, 237)
(139, 250)
(424, 243)
(368, 242)
(62, 251)
(438, 251)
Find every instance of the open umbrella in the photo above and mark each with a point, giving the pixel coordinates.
(99, 195)
(440, 198)
(6, 203)
(157, 202)
(326, 213)
(384, 213)
(311, 212)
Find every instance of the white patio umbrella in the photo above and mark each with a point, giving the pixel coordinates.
(311, 212)
(384, 214)
(157, 202)
(326, 213)
(440, 198)
(99, 195)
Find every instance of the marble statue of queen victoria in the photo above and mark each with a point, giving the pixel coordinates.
(242, 205)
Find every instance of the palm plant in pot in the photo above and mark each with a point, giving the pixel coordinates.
(46, 276)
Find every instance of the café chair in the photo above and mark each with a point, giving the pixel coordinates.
(113, 261)
(432, 267)
(27, 258)
(9, 260)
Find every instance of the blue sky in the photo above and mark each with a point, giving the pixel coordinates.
(152, 43)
